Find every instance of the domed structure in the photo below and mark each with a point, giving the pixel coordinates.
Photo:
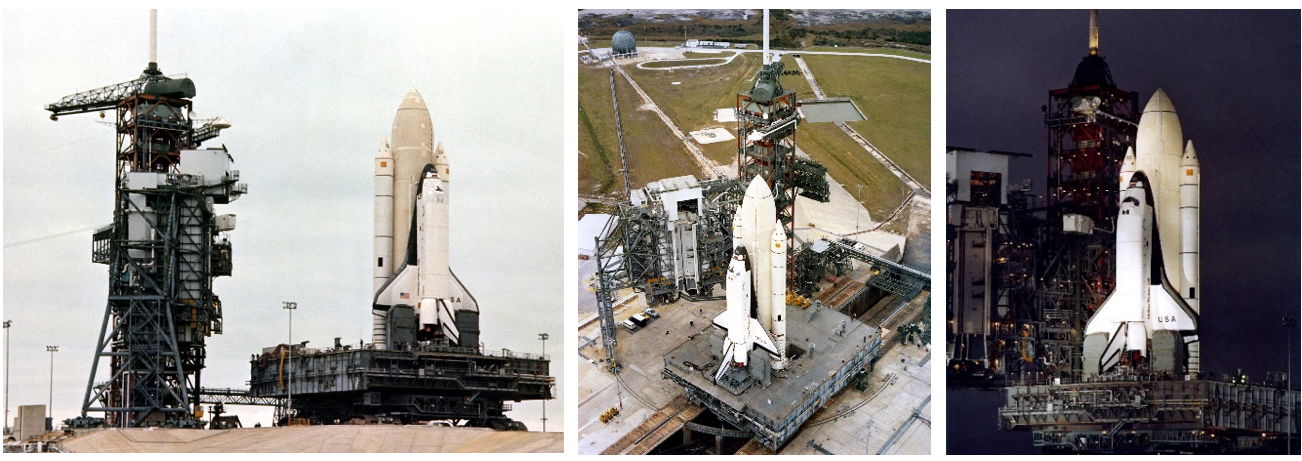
(623, 44)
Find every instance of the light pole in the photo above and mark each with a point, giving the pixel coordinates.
(543, 337)
(52, 350)
(289, 412)
(1290, 325)
(7, 324)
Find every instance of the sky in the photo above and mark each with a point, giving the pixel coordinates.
(1233, 77)
(311, 95)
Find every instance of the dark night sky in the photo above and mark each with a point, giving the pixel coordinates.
(1233, 77)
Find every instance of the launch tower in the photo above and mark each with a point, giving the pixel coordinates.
(163, 249)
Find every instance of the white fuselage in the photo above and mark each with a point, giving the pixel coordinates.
(1144, 301)
(744, 331)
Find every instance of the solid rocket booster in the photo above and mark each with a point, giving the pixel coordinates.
(1127, 168)
(1190, 183)
(383, 215)
(383, 238)
(779, 295)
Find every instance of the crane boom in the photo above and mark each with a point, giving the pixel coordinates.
(103, 98)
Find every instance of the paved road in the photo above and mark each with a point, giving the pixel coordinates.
(727, 60)
(809, 75)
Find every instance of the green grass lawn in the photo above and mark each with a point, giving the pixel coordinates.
(691, 103)
(895, 97)
(850, 165)
(855, 49)
(653, 152)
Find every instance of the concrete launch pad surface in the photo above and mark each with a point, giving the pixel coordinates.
(641, 355)
(318, 439)
(842, 214)
(872, 417)
(712, 135)
(790, 387)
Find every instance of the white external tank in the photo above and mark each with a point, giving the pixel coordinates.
(412, 149)
(758, 213)
(1159, 149)
(779, 294)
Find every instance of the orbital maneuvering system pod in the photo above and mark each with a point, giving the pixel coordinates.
(756, 285)
(1150, 321)
(417, 297)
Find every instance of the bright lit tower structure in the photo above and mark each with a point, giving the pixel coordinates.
(1090, 124)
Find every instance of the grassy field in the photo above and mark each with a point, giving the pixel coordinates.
(856, 49)
(886, 90)
(654, 153)
(851, 166)
(691, 103)
(895, 96)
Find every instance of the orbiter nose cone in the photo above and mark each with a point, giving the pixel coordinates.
(1159, 103)
(413, 101)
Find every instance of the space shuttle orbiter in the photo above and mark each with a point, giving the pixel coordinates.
(744, 330)
(1145, 312)
(417, 297)
(1153, 310)
(756, 283)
